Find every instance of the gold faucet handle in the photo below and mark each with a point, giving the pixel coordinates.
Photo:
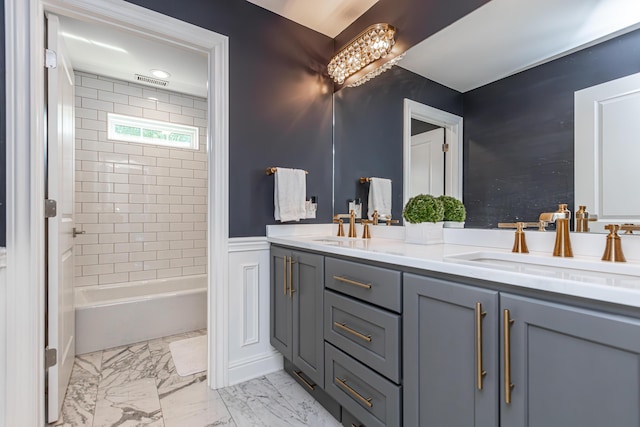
(613, 228)
(365, 231)
(519, 226)
(376, 217)
(613, 249)
(519, 244)
(392, 221)
(340, 226)
(629, 228)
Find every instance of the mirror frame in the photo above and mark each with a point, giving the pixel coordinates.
(453, 135)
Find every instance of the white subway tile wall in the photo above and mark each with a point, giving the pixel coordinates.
(143, 207)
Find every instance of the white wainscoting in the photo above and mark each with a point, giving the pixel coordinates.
(3, 336)
(250, 353)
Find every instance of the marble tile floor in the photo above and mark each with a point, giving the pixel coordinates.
(137, 385)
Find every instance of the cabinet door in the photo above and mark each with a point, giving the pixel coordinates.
(280, 304)
(569, 366)
(308, 339)
(442, 339)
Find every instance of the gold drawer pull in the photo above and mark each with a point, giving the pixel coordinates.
(291, 290)
(307, 383)
(353, 282)
(344, 327)
(284, 275)
(508, 386)
(366, 401)
(479, 371)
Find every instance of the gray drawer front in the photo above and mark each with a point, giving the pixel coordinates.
(369, 334)
(382, 286)
(361, 384)
(349, 420)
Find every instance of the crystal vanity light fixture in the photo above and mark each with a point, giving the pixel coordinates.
(375, 73)
(369, 46)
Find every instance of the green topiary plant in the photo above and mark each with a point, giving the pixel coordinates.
(453, 209)
(423, 208)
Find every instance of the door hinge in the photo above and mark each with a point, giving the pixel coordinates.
(50, 357)
(445, 148)
(50, 208)
(50, 58)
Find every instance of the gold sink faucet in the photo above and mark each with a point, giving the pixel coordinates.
(352, 223)
(561, 217)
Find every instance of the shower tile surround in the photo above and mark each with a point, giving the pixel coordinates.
(138, 385)
(143, 207)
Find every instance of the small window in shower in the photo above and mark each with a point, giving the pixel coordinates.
(145, 131)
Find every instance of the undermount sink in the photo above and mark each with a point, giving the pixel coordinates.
(585, 270)
(349, 242)
(331, 239)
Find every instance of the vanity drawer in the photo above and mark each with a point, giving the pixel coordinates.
(369, 334)
(349, 420)
(369, 396)
(377, 285)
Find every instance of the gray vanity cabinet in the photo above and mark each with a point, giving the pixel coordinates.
(450, 336)
(568, 366)
(296, 326)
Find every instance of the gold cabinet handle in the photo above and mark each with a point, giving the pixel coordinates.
(344, 327)
(305, 382)
(353, 282)
(364, 400)
(480, 373)
(291, 290)
(508, 386)
(284, 275)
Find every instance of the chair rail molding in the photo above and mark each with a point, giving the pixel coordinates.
(22, 373)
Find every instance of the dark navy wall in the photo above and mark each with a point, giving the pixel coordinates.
(3, 133)
(280, 104)
(368, 131)
(518, 133)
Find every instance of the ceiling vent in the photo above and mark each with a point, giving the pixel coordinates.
(151, 80)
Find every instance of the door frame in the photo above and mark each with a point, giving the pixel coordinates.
(25, 125)
(453, 136)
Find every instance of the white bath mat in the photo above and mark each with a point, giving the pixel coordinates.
(189, 355)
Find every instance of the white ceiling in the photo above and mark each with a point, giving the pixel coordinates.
(329, 17)
(499, 39)
(504, 37)
(117, 54)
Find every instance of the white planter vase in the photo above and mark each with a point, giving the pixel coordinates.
(424, 233)
(453, 224)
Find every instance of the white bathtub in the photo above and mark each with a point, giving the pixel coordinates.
(112, 315)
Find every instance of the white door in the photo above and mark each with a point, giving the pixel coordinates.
(427, 163)
(60, 187)
(607, 150)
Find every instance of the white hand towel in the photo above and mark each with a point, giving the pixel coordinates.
(379, 197)
(290, 192)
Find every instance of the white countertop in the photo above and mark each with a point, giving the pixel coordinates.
(619, 283)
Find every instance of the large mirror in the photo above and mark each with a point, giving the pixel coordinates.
(513, 82)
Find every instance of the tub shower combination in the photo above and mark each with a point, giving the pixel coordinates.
(113, 315)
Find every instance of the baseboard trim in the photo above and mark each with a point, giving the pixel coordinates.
(254, 367)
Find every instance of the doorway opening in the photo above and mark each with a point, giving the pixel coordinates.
(439, 144)
(27, 376)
